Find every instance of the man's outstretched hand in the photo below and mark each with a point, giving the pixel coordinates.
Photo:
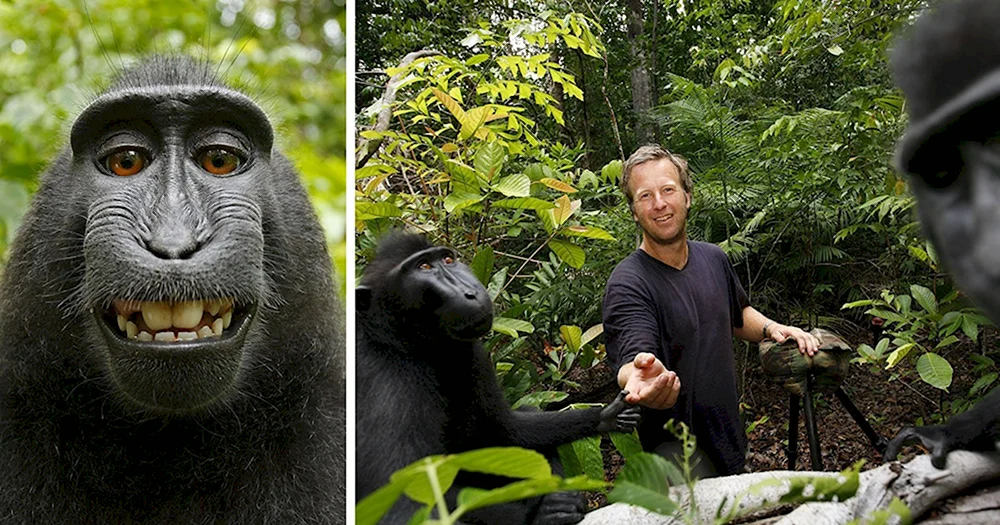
(650, 384)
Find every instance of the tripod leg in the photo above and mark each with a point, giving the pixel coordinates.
(879, 442)
(814, 451)
(793, 431)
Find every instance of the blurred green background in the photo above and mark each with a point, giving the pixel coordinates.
(288, 55)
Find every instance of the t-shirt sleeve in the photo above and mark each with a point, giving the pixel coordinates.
(630, 323)
(738, 299)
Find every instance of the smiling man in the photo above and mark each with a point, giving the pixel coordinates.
(671, 309)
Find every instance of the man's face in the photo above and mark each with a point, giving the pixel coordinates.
(659, 202)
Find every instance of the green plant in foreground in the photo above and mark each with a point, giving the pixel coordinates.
(427, 480)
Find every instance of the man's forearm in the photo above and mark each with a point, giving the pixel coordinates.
(753, 325)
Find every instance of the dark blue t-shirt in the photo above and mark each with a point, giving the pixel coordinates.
(686, 318)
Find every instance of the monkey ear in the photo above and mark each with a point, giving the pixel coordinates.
(362, 298)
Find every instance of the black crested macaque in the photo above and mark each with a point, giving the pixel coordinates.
(425, 384)
(949, 69)
(170, 338)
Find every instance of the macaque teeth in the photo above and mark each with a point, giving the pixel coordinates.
(212, 306)
(180, 321)
(186, 314)
(158, 316)
(164, 336)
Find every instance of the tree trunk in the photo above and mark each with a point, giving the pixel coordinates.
(642, 96)
(918, 484)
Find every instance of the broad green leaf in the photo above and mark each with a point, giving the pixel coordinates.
(563, 210)
(364, 211)
(459, 200)
(946, 341)
(588, 232)
(372, 170)
(537, 172)
(970, 327)
(463, 178)
(539, 399)
(835, 50)
(371, 509)
(628, 444)
(419, 487)
(925, 298)
(898, 354)
(568, 252)
(482, 264)
(983, 383)
(571, 335)
(881, 346)
(583, 457)
(477, 59)
(517, 185)
(489, 160)
(888, 315)
(935, 370)
(496, 284)
(529, 488)
(371, 135)
(512, 462)
(591, 333)
(856, 304)
(449, 103)
(558, 185)
(612, 171)
(524, 203)
(643, 482)
(588, 180)
(473, 123)
(511, 327)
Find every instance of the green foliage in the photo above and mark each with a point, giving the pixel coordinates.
(55, 54)
(467, 162)
(920, 324)
(427, 480)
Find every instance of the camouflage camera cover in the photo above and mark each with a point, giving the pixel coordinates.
(784, 364)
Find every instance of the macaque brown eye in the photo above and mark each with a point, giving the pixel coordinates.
(425, 266)
(126, 162)
(219, 161)
(448, 259)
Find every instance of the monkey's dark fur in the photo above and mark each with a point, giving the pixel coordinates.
(949, 69)
(425, 384)
(97, 428)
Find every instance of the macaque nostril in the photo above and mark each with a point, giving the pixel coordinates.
(470, 294)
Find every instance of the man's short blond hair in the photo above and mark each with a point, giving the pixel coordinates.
(651, 152)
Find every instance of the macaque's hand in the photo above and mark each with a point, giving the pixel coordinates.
(619, 416)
